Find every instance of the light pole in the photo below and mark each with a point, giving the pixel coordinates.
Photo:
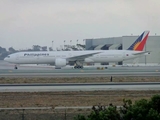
(84, 44)
(70, 42)
(52, 45)
(77, 42)
(64, 44)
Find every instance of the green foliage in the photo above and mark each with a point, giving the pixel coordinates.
(2, 50)
(140, 110)
(137, 111)
(144, 110)
(80, 117)
(44, 48)
(153, 115)
(36, 48)
(3, 53)
(105, 114)
(126, 105)
(102, 113)
(155, 103)
(11, 50)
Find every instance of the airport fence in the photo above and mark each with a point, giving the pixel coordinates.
(41, 114)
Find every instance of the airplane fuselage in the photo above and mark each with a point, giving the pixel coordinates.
(46, 57)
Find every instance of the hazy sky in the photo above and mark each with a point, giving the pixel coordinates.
(24, 23)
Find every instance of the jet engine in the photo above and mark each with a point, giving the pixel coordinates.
(60, 62)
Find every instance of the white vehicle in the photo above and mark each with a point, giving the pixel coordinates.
(62, 58)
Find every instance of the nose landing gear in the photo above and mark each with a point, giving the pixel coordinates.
(15, 67)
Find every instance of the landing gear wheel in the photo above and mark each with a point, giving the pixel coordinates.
(78, 67)
(15, 67)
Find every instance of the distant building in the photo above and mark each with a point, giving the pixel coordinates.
(120, 43)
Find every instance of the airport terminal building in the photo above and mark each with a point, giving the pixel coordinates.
(122, 43)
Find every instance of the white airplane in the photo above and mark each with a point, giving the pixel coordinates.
(62, 58)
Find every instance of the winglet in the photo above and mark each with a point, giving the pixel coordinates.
(138, 45)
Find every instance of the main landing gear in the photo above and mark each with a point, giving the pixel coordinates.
(78, 65)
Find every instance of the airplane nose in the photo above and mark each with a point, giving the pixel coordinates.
(5, 59)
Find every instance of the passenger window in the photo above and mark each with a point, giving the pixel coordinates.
(8, 56)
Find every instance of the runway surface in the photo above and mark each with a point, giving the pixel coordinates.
(7, 70)
(79, 87)
(77, 73)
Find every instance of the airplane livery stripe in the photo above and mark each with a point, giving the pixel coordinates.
(141, 45)
(134, 45)
(138, 45)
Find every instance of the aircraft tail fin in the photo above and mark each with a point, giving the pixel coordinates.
(140, 42)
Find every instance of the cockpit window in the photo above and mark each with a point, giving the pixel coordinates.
(8, 56)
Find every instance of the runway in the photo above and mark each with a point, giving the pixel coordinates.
(75, 73)
(7, 70)
(79, 87)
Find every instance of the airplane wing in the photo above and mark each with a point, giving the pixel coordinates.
(141, 53)
(81, 57)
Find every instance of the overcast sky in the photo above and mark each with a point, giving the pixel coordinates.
(24, 23)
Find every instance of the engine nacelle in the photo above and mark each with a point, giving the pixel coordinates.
(60, 62)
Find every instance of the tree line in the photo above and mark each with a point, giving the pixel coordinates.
(4, 52)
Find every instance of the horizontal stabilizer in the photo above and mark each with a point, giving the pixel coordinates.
(141, 53)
